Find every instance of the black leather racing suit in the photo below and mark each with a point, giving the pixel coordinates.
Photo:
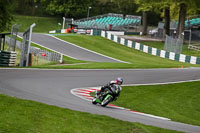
(108, 86)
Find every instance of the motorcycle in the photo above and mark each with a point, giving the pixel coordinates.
(104, 98)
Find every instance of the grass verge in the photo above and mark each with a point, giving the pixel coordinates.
(137, 58)
(179, 102)
(22, 116)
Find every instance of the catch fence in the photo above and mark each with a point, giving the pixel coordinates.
(173, 44)
(40, 53)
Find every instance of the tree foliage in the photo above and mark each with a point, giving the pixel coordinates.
(179, 10)
(30, 7)
(184, 7)
(5, 14)
(126, 6)
(152, 9)
(144, 6)
(68, 8)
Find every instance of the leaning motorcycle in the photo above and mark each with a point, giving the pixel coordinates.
(106, 97)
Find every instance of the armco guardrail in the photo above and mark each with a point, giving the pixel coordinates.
(46, 55)
(42, 54)
(7, 58)
(151, 50)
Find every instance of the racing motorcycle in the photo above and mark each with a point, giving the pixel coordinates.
(104, 98)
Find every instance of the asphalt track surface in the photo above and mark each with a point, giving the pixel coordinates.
(53, 87)
(69, 49)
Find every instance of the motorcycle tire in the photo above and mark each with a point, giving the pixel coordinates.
(94, 101)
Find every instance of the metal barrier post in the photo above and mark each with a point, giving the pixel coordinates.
(24, 59)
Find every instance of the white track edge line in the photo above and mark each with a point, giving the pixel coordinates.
(88, 50)
(183, 81)
(51, 49)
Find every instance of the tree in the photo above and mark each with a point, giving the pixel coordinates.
(144, 6)
(184, 6)
(29, 6)
(68, 8)
(164, 5)
(127, 7)
(5, 15)
(167, 20)
(181, 20)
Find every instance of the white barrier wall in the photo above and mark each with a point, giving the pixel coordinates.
(112, 35)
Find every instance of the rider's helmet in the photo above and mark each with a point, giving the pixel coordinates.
(119, 81)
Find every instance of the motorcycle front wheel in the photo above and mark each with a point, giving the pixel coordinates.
(94, 101)
(105, 102)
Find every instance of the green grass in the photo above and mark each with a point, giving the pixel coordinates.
(179, 102)
(22, 116)
(43, 24)
(68, 60)
(160, 45)
(190, 51)
(137, 58)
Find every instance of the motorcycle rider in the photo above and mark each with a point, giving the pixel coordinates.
(116, 84)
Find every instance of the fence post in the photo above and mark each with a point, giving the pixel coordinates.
(24, 59)
(61, 58)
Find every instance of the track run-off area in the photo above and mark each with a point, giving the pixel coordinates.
(54, 87)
